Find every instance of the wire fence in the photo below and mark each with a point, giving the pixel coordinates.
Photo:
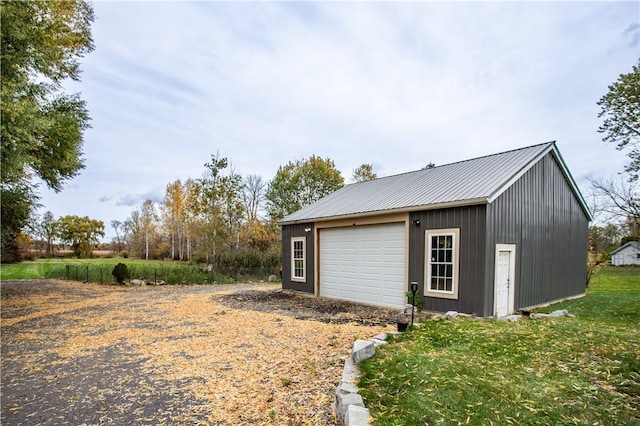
(183, 274)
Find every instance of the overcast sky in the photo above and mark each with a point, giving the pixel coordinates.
(397, 85)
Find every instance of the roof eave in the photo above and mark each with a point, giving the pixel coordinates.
(572, 183)
(622, 247)
(449, 204)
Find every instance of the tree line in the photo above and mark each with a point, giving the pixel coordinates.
(221, 215)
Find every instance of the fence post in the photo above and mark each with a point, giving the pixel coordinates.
(76, 272)
(101, 280)
(155, 276)
(87, 273)
(68, 272)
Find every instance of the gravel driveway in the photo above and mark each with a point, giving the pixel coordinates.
(77, 353)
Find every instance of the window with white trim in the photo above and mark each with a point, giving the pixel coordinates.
(298, 258)
(441, 262)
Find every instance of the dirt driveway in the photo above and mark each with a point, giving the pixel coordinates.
(75, 353)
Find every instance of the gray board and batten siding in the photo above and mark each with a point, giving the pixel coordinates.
(471, 220)
(298, 230)
(525, 197)
(540, 214)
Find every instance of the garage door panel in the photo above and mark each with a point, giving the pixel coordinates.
(364, 264)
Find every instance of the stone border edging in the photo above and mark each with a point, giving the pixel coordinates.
(349, 406)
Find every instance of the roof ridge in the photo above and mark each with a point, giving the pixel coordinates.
(455, 162)
(496, 154)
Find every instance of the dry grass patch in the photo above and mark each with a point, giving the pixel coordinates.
(241, 366)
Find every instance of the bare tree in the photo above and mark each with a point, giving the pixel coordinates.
(253, 195)
(135, 235)
(604, 238)
(618, 200)
(148, 219)
(119, 227)
(49, 231)
(44, 229)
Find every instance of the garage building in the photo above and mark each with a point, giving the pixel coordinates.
(485, 236)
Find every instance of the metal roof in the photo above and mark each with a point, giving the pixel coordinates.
(477, 181)
(633, 244)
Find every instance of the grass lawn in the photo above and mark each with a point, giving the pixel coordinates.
(582, 370)
(99, 270)
(24, 270)
(39, 268)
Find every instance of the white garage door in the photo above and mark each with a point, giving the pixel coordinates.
(364, 264)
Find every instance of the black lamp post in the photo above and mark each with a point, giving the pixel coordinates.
(414, 289)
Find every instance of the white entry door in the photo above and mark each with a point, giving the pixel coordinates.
(504, 280)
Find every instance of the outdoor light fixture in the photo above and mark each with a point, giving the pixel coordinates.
(307, 229)
(414, 289)
(416, 222)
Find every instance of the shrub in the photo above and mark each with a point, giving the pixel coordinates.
(162, 251)
(248, 258)
(199, 258)
(120, 272)
(27, 255)
(418, 302)
(123, 254)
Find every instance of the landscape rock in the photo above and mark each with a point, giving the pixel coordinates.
(346, 387)
(554, 314)
(138, 282)
(344, 401)
(350, 371)
(356, 416)
(382, 336)
(377, 342)
(408, 308)
(362, 349)
(349, 406)
(451, 314)
(509, 318)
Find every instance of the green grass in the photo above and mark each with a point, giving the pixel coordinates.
(99, 270)
(24, 270)
(612, 298)
(582, 370)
